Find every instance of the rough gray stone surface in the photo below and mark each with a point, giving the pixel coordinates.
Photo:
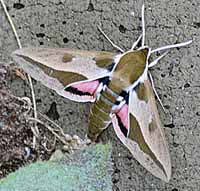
(73, 24)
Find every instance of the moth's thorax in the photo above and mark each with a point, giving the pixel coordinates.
(129, 69)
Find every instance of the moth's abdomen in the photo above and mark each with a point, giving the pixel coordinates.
(98, 121)
(99, 118)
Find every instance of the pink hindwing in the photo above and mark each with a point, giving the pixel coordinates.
(83, 91)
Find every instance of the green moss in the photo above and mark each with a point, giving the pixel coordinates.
(86, 170)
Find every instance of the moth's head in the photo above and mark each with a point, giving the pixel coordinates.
(130, 66)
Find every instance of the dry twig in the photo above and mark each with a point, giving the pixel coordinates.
(35, 129)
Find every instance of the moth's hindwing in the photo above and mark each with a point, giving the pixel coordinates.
(59, 67)
(139, 129)
(84, 91)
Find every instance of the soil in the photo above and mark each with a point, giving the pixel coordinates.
(16, 136)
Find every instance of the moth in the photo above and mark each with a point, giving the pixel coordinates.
(121, 89)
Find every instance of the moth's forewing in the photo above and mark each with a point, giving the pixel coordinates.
(145, 138)
(59, 67)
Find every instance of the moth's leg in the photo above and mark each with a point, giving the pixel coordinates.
(143, 27)
(164, 48)
(153, 63)
(136, 42)
(111, 42)
(155, 92)
(171, 46)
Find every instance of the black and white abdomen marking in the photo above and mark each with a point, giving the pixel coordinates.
(99, 118)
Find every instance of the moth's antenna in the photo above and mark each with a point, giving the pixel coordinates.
(171, 46)
(136, 42)
(143, 26)
(110, 41)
